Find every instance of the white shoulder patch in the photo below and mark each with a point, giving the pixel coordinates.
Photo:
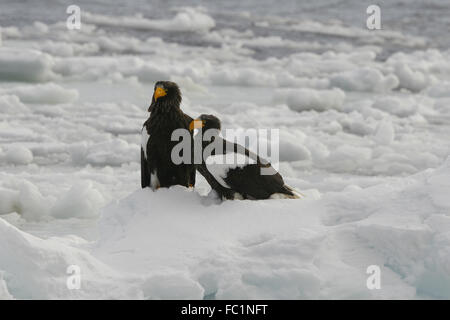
(144, 140)
(219, 165)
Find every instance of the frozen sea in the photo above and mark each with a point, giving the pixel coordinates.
(364, 121)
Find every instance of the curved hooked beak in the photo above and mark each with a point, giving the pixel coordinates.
(196, 124)
(159, 92)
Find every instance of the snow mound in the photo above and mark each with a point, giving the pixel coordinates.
(292, 146)
(24, 65)
(290, 249)
(31, 204)
(412, 80)
(10, 104)
(152, 247)
(8, 200)
(385, 133)
(114, 153)
(346, 157)
(34, 268)
(18, 155)
(396, 106)
(43, 93)
(365, 80)
(81, 201)
(188, 19)
(441, 90)
(4, 293)
(310, 99)
(247, 77)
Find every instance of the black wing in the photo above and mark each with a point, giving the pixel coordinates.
(254, 181)
(188, 119)
(145, 175)
(221, 190)
(252, 184)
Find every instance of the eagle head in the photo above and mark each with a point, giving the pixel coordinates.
(166, 95)
(206, 122)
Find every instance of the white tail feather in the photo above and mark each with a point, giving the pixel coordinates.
(297, 194)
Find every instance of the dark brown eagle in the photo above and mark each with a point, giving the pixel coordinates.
(157, 168)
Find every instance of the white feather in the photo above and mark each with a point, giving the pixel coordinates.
(238, 196)
(219, 165)
(144, 140)
(296, 194)
(154, 181)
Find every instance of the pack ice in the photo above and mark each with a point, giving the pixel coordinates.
(155, 248)
(363, 119)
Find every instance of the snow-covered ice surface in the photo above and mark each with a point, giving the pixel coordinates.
(364, 120)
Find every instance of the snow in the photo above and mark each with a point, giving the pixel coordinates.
(81, 201)
(42, 93)
(28, 65)
(11, 104)
(271, 249)
(18, 155)
(111, 153)
(412, 80)
(396, 106)
(365, 79)
(8, 200)
(439, 90)
(188, 19)
(385, 133)
(32, 205)
(39, 270)
(363, 119)
(310, 99)
(4, 294)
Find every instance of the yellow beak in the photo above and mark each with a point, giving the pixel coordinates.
(159, 92)
(196, 124)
